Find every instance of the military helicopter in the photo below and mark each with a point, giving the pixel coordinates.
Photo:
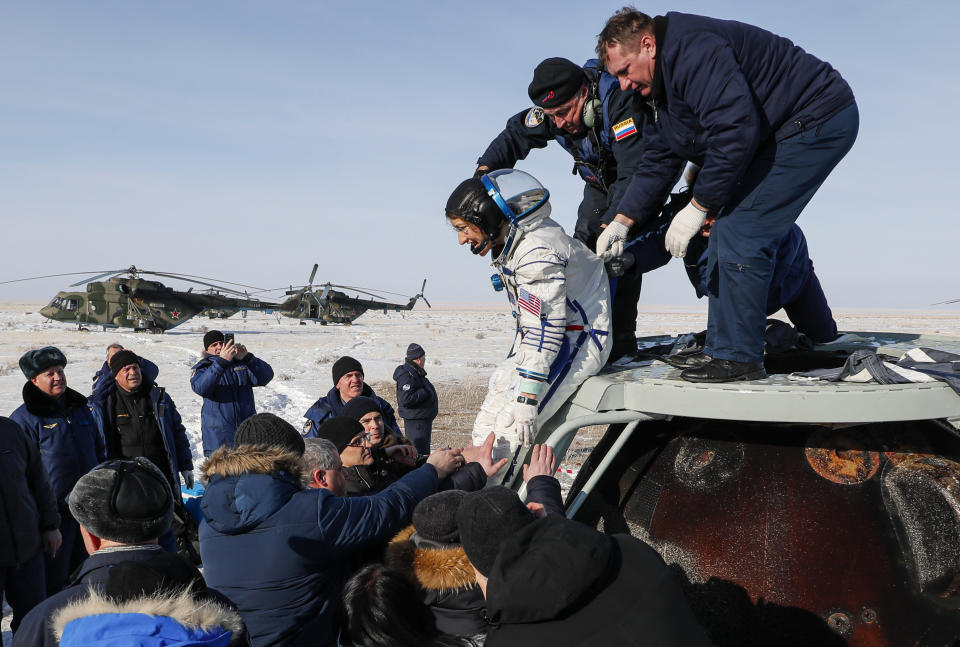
(144, 305)
(327, 305)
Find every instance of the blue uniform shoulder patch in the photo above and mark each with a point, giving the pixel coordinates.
(534, 118)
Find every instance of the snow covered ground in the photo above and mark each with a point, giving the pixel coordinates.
(463, 343)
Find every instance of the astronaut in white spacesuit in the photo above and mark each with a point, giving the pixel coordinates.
(560, 295)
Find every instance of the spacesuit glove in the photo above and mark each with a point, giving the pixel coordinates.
(685, 226)
(525, 417)
(611, 240)
(187, 478)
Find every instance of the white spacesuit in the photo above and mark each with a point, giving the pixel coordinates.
(560, 295)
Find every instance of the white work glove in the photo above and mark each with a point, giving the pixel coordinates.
(187, 478)
(611, 240)
(685, 226)
(525, 417)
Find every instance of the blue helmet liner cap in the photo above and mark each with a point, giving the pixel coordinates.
(516, 193)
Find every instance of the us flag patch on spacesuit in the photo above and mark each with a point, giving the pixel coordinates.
(528, 302)
(624, 129)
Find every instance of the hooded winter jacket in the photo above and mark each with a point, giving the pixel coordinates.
(446, 579)
(331, 405)
(173, 619)
(558, 582)
(416, 397)
(172, 431)
(27, 504)
(36, 629)
(70, 436)
(227, 391)
(281, 553)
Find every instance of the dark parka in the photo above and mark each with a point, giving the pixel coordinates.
(227, 391)
(282, 553)
(331, 405)
(721, 89)
(70, 436)
(416, 397)
(558, 582)
(27, 504)
(93, 574)
(446, 580)
(172, 432)
(604, 163)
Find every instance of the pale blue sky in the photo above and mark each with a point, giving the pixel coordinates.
(248, 140)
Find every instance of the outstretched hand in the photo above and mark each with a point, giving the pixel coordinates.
(483, 454)
(543, 462)
(406, 454)
(445, 461)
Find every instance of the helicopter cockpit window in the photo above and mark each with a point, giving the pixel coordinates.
(56, 302)
(70, 304)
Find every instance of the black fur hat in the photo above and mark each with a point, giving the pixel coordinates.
(485, 519)
(435, 518)
(126, 501)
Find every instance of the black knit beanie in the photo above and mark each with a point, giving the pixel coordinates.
(126, 501)
(340, 430)
(360, 406)
(123, 358)
(485, 519)
(414, 351)
(212, 337)
(343, 366)
(555, 81)
(435, 518)
(269, 429)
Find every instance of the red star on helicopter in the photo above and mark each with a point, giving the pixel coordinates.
(175, 314)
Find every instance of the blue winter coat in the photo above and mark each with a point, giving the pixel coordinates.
(282, 553)
(70, 436)
(103, 378)
(172, 431)
(35, 630)
(607, 167)
(416, 397)
(721, 89)
(27, 504)
(227, 391)
(331, 405)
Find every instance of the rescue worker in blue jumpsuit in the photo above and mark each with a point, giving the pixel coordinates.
(794, 285)
(583, 110)
(766, 122)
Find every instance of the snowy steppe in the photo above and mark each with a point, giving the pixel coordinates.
(463, 343)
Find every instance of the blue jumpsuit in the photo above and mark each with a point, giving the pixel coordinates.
(766, 122)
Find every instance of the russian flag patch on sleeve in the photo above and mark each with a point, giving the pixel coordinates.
(624, 129)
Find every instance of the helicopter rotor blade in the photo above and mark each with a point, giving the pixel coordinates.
(941, 303)
(174, 275)
(212, 285)
(313, 274)
(51, 276)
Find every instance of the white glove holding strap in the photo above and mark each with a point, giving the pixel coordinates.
(187, 478)
(611, 240)
(685, 226)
